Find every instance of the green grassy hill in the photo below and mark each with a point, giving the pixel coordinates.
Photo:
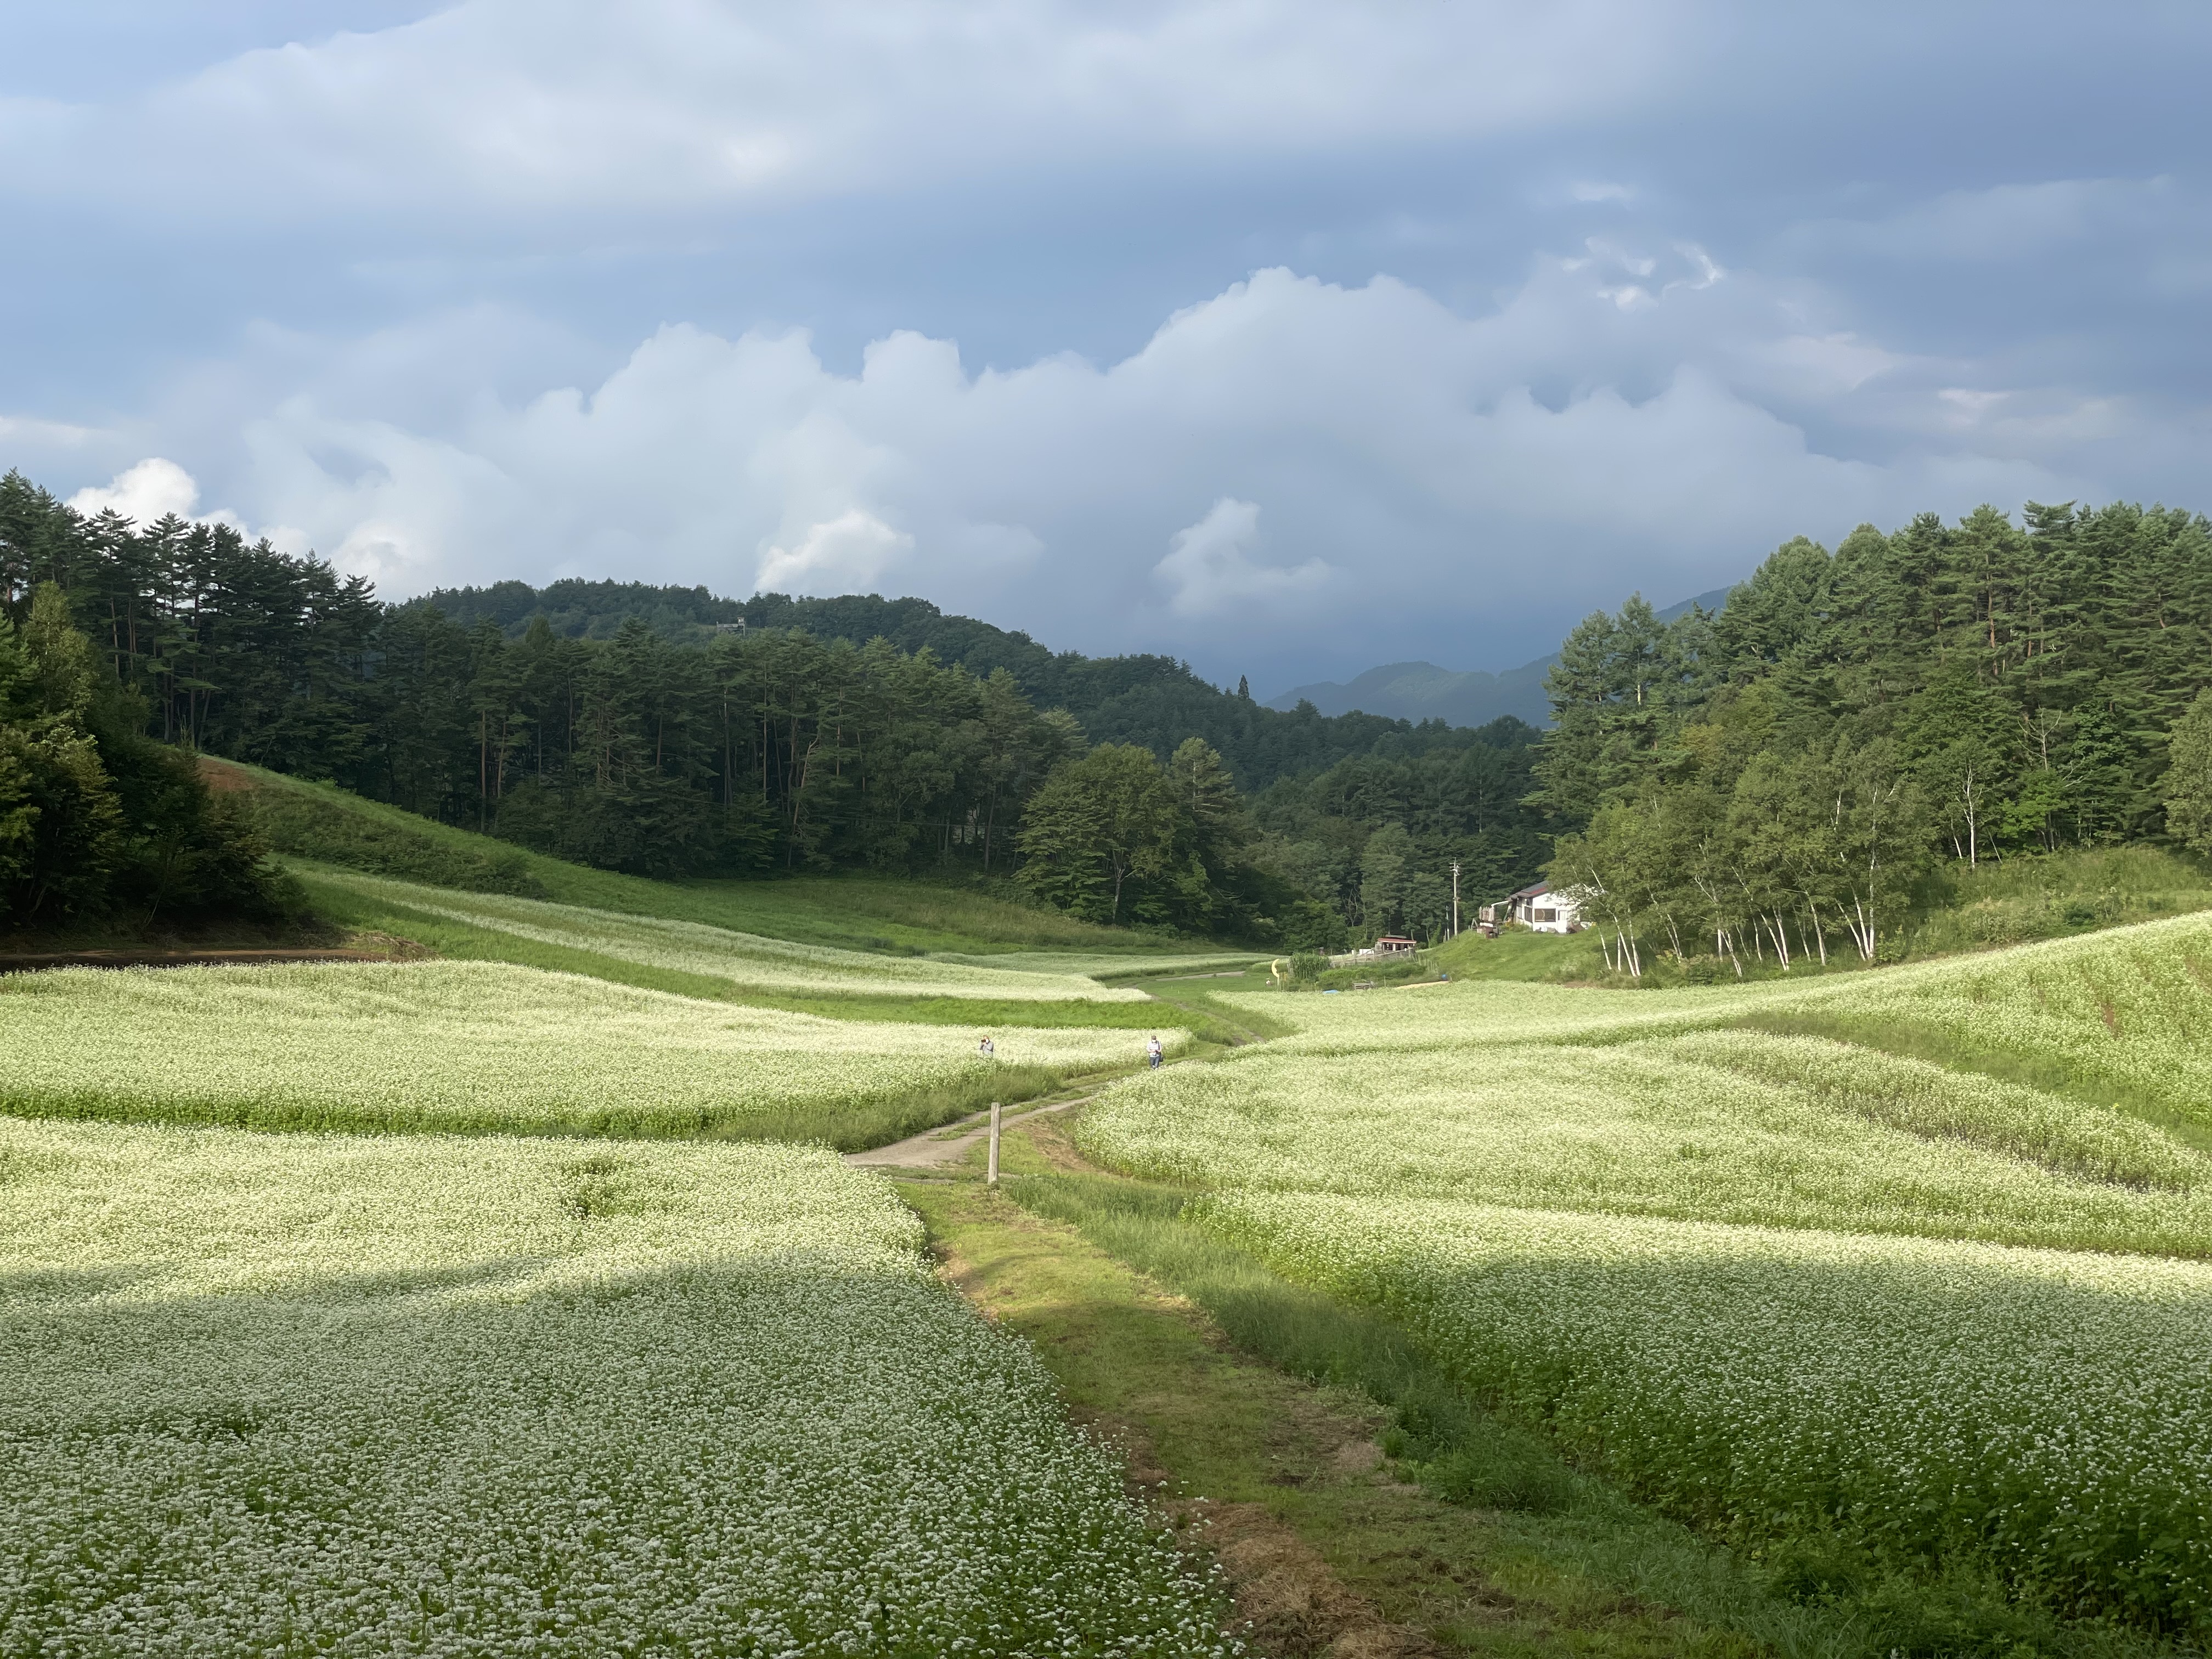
(973, 957)
(324, 824)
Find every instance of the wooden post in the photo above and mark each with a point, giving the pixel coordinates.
(991, 1180)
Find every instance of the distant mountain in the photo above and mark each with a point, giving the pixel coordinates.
(1423, 691)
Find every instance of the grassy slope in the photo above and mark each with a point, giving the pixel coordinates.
(373, 914)
(1474, 1534)
(470, 1047)
(2110, 1017)
(319, 821)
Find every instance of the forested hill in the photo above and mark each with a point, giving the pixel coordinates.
(1778, 776)
(812, 739)
(1153, 700)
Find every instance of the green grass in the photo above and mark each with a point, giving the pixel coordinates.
(369, 912)
(1517, 954)
(323, 824)
(1198, 1006)
(1483, 1537)
(1817, 1596)
(1221, 1440)
(2025, 899)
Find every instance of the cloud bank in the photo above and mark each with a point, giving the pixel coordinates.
(1287, 336)
(1291, 460)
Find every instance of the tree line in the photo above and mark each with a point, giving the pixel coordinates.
(749, 750)
(1773, 781)
(1141, 698)
(1375, 837)
(96, 817)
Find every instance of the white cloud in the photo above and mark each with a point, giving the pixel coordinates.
(1209, 568)
(846, 553)
(152, 490)
(1481, 477)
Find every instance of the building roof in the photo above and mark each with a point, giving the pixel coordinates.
(1537, 891)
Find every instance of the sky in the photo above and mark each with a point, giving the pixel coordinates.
(1286, 339)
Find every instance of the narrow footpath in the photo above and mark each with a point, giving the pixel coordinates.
(948, 1143)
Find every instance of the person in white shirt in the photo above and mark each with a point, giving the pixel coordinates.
(987, 1049)
(1153, 1053)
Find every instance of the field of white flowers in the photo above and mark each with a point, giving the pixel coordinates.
(743, 959)
(467, 1046)
(1090, 962)
(1403, 1019)
(1718, 1127)
(2130, 1009)
(276, 1394)
(1781, 1284)
(2043, 1412)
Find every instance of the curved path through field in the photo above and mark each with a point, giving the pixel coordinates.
(948, 1144)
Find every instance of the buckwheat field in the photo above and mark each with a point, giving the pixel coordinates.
(1786, 1286)
(471, 1046)
(748, 960)
(290, 1394)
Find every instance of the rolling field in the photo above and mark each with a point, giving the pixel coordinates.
(280, 1395)
(1722, 1127)
(482, 1048)
(2124, 1016)
(1898, 1275)
(746, 962)
(2037, 1414)
(1753, 1253)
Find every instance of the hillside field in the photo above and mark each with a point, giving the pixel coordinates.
(1797, 1290)
(1886, 1291)
(484, 1049)
(326, 825)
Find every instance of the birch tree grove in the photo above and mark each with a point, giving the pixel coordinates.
(1768, 782)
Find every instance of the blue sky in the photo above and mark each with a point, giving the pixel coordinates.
(1289, 338)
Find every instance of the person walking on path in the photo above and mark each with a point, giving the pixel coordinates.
(987, 1049)
(1153, 1053)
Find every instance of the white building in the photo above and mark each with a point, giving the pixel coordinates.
(1542, 910)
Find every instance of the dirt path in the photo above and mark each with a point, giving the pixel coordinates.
(932, 1148)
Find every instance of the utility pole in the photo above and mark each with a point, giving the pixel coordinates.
(992, 1179)
(1455, 898)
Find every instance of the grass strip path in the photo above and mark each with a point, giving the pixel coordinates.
(1460, 1531)
(1327, 1552)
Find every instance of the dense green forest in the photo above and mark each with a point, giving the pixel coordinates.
(1153, 700)
(97, 818)
(825, 734)
(1773, 781)
(1375, 837)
